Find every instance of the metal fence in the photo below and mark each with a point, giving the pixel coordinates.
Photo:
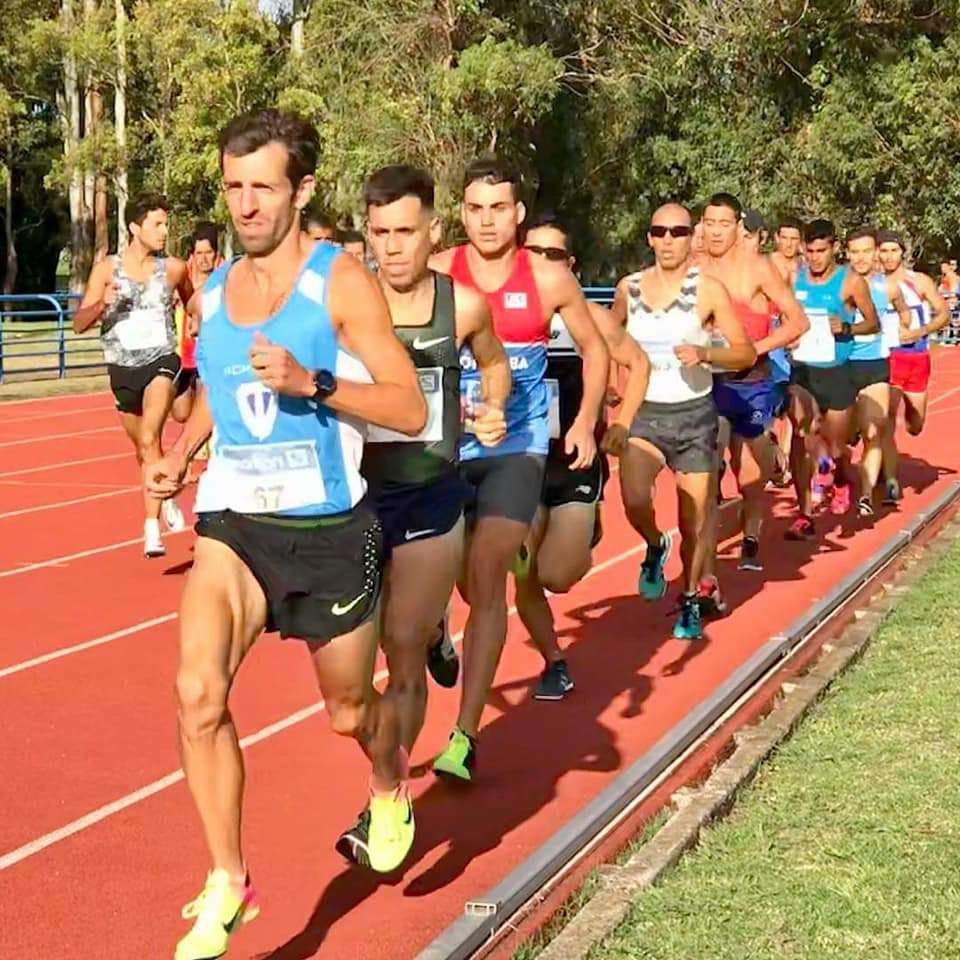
(37, 341)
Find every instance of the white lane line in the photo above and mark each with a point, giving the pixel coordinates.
(67, 503)
(944, 410)
(34, 847)
(51, 416)
(71, 484)
(59, 436)
(943, 396)
(56, 396)
(60, 561)
(67, 463)
(86, 645)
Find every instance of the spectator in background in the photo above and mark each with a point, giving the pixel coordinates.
(318, 226)
(950, 291)
(353, 242)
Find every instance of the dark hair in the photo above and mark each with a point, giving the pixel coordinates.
(251, 131)
(351, 236)
(399, 180)
(819, 229)
(862, 232)
(493, 170)
(548, 218)
(206, 230)
(314, 217)
(135, 212)
(727, 200)
(794, 223)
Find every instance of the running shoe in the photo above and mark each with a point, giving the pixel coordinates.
(555, 682)
(688, 625)
(893, 495)
(712, 603)
(521, 563)
(219, 910)
(801, 529)
(821, 480)
(173, 516)
(653, 584)
(383, 834)
(442, 660)
(152, 543)
(865, 507)
(459, 757)
(840, 501)
(750, 555)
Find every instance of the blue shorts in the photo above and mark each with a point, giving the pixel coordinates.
(749, 405)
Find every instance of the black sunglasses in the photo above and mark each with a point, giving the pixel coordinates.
(659, 231)
(551, 253)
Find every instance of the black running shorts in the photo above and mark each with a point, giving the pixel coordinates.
(129, 383)
(832, 387)
(320, 582)
(508, 486)
(410, 513)
(561, 485)
(685, 433)
(865, 373)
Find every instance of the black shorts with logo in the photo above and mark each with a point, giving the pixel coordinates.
(321, 581)
(832, 387)
(561, 485)
(129, 383)
(187, 379)
(506, 486)
(410, 513)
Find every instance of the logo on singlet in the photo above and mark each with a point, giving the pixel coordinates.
(258, 408)
(515, 301)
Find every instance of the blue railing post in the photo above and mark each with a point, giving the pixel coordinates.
(1, 343)
(62, 345)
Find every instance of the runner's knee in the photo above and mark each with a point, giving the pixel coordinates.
(348, 716)
(561, 575)
(201, 702)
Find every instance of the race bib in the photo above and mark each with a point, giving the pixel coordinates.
(817, 344)
(554, 415)
(431, 383)
(142, 329)
(661, 355)
(890, 329)
(263, 478)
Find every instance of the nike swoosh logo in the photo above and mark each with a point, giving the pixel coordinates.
(583, 489)
(413, 534)
(339, 609)
(409, 813)
(419, 344)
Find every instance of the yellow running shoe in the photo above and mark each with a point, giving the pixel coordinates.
(391, 829)
(219, 910)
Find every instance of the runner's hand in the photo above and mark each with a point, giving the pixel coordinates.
(689, 355)
(836, 325)
(580, 439)
(110, 293)
(489, 425)
(163, 478)
(613, 396)
(615, 439)
(277, 367)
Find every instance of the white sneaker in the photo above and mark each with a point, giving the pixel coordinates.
(152, 544)
(173, 516)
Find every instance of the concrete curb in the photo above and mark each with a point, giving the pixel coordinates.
(695, 809)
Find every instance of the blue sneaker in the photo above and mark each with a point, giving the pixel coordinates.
(688, 626)
(652, 584)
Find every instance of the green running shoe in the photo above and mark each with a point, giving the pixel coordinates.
(458, 758)
(521, 563)
(653, 584)
(688, 625)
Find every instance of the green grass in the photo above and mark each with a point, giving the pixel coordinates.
(848, 843)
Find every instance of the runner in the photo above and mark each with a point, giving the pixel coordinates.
(289, 332)
(203, 260)
(823, 391)
(910, 362)
(788, 257)
(131, 296)
(354, 245)
(747, 400)
(754, 231)
(414, 480)
(318, 226)
(567, 524)
(671, 309)
(949, 289)
(523, 291)
(870, 364)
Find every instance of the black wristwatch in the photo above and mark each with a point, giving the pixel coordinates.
(325, 385)
(846, 328)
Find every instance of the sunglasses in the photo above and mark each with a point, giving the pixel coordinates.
(551, 253)
(659, 231)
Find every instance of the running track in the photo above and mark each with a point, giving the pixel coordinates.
(99, 846)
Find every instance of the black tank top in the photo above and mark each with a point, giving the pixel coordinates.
(390, 458)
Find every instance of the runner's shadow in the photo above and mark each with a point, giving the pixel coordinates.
(178, 569)
(524, 753)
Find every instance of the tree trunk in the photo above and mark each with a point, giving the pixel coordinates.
(72, 132)
(101, 238)
(297, 30)
(10, 274)
(120, 124)
(91, 123)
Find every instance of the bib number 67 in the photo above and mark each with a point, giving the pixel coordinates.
(268, 498)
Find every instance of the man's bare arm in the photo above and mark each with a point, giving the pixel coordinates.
(475, 326)
(715, 303)
(857, 289)
(97, 296)
(793, 321)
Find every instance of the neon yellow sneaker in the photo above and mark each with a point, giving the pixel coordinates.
(219, 910)
(458, 758)
(391, 829)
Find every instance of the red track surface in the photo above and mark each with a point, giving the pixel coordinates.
(95, 726)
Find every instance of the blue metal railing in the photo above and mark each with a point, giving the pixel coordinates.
(37, 340)
(35, 327)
